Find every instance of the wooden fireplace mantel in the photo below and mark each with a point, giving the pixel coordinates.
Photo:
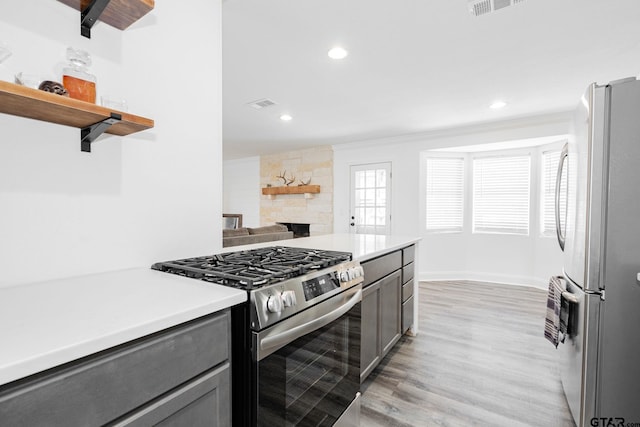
(307, 190)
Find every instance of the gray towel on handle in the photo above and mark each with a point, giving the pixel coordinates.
(554, 305)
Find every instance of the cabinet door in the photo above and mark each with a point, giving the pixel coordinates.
(370, 334)
(407, 314)
(390, 310)
(203, 402)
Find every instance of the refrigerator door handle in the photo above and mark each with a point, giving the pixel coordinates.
(563, 158)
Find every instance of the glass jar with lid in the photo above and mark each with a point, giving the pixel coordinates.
(76, 77)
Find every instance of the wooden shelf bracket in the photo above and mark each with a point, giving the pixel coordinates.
(91, 133)
(90, 15)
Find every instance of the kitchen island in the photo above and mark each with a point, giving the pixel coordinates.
(64, 337)
(389, 294)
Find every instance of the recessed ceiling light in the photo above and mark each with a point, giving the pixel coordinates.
(337, 53)
(285, 117)
(497, 105)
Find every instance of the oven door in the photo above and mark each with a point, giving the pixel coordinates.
(308, 366)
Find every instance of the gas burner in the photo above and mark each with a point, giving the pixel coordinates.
(253, 268)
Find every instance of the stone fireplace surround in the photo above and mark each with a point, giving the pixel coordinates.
(314, 164)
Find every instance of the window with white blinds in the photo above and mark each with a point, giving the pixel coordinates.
(501, 187)
(548, 174)
(445, 193)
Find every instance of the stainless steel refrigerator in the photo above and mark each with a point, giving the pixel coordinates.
(599, 231)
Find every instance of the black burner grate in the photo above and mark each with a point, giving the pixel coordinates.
(253, 268)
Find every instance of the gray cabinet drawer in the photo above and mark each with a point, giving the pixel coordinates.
(377, 268)
(407, 290)
(408, 254)
(407, 314)
(407, 272)
(100, 388)
(203, 402)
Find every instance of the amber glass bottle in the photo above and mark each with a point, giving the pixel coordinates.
(76, 77)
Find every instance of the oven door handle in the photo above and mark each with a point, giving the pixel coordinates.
(296, 332)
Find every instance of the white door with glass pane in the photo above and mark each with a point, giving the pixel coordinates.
(370, 199)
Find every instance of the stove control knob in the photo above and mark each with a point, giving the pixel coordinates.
(289, 298)
(353, 273)
(274, 304)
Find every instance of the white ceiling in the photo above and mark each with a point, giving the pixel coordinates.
(414, 66)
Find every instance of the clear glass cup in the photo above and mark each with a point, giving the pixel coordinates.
(29, 80)
(114, 102)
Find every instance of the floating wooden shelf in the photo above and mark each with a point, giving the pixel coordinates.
(39, 105)
(307, 190)
(117, 13)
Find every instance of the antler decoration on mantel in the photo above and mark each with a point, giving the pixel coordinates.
(285, 180)
(283, 177)
(303, 182)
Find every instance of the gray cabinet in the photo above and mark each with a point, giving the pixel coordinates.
(408, 270)
(202, 402)
(180, 372)
(387, 305)
(390, 320)
(381, 309)
(381, 321)
(370, 347)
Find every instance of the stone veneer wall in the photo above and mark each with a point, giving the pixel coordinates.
(315, 163)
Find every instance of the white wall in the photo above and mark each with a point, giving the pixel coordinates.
(510, 259)
(147, 197)
(242, 189)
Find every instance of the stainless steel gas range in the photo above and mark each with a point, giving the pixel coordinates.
(296, 343)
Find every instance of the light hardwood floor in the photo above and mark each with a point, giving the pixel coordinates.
(480, 359)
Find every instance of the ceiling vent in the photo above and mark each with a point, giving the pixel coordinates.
(261, 103)
(482, 7)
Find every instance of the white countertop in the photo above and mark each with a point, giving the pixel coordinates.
(362, 246)
(46, 324)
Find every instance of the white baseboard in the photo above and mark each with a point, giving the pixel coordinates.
(486, 277)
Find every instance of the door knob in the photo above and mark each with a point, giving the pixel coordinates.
(353, 223)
